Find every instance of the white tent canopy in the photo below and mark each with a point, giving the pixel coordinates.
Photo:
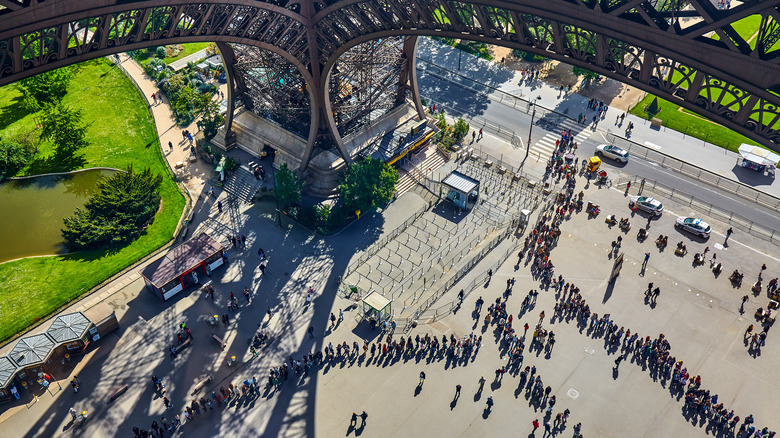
(758, 155)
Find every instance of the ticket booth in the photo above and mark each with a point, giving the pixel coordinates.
(71, 333)
(32, 355)
(460, 190)
(8, 379)
(183, 266)
(376, 308)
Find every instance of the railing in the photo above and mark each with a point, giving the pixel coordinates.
(376, 246)
(704, 207)
(696, 172)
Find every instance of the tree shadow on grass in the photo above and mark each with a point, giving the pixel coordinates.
(55, 163)
(12, 112)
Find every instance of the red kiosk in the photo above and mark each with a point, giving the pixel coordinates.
(183, 266)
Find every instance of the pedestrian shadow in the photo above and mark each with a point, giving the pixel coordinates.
(615, 373)
(486, 412)
(418, 389)
(454, 403)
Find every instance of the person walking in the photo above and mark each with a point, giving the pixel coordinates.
(644, 263)
(457, 391)
(422, 378)
(729, 232)
(618, 360)
(73, 413)
(363, 417)
(535, 423)
(641, 186)
(219, 206)
(742, 306)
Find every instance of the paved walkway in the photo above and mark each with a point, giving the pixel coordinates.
(195, 57)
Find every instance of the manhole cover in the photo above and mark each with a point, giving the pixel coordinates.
(589, 350)
(573, 393)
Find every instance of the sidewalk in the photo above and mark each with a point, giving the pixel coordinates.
(672, 143)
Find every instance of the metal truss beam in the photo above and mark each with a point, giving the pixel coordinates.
(686, 51)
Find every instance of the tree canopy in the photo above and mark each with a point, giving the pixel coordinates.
(585, 73)
(288, 187)
(121, 208)
(14, 155)
(46, 88)
(367, 185)
(65, 127)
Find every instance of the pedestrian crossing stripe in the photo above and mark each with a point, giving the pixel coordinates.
(546, 145)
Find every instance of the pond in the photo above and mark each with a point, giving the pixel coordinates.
(33, 210)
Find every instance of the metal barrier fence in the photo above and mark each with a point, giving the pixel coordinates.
(376, 246)
(695, 172)
(704, 207)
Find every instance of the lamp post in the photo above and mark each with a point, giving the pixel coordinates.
(530, 129)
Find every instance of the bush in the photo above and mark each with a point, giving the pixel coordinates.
(123, 206)
(14, 155)
(160, 52)
(528, 56)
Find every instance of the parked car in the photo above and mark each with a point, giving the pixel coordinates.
(613, 152)
(694, 226)
(648, 204)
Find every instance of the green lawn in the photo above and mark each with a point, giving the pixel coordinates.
(189, 49)
(693, 125)
(121, 132)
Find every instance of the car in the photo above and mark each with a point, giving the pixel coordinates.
(648, 204)
(694, 226)
(613, 152)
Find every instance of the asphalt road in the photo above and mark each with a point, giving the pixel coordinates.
(463, 101)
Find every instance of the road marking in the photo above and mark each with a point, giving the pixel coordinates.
(653, 145)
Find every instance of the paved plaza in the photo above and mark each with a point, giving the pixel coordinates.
(697, 312)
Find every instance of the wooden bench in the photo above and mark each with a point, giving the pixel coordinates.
(183, 345)
(218, 339)
(198, 386)
(118, 393)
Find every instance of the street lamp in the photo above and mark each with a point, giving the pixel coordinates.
(530, 129)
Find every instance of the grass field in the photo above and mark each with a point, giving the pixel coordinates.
(121, 131)
(189, 49)
(693, 125)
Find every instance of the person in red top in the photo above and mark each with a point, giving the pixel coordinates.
(536, 424)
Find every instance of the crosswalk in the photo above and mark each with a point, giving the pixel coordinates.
(545, 147)
(427, 160)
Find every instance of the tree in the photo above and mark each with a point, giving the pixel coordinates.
(65, 128)
(586, 74)
(123, 206)
(160, 52)
(288, 187)
(211, 119)
(366, 185)
(14, 155)
(45, 88)
(460, 129)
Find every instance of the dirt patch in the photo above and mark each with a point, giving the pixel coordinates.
(610, 91)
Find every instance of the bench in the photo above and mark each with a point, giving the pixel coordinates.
(117, 394)
(183, 345)
(218, 339)
(198, 386)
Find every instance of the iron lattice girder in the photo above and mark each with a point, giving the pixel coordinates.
(661, 46)
(273, 85)
(364, 81)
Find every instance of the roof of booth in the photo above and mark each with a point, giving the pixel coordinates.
(7, 370)
(460, 182)
(376, 301)
(181, 259)
(69, 327)
(32, 350)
